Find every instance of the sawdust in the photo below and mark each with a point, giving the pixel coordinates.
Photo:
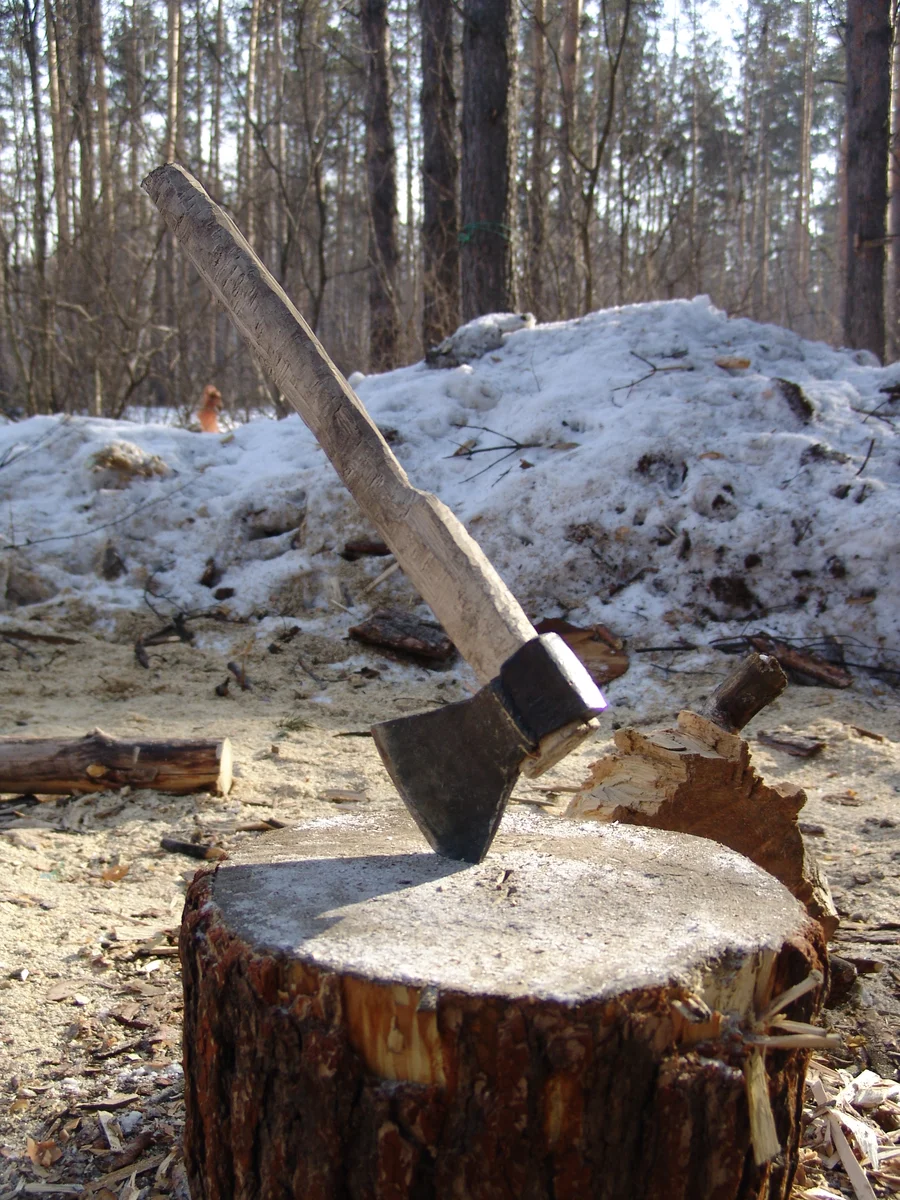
(90, 904)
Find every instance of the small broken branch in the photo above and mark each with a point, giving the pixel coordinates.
(807, 663)
(754, 683)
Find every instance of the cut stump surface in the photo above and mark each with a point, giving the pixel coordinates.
(364, 1018)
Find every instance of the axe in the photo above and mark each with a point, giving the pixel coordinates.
(455, 767)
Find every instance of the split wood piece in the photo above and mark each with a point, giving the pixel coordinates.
(599, 649)
(393, 629)
(100, 763)
(571, 1018)
(698, 779)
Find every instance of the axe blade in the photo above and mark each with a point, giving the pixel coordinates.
(455, 767)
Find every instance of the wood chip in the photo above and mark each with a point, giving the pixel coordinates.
(109, 1103)
(110, 1129)
(49, 1189)
(867, 733)
(341, 796)
(799, 745)
(146, 1164)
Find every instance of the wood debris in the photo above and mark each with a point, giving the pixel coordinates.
(697, 778)
(365, 548)
(342, 796)
(803, 665)
(207, 853)
(798, 745)
(404, 633)
(98, 762)
(852, 1133)
(598, 647)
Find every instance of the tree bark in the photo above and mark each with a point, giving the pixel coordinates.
(100, 763)
(868, 108)
(173, 91)
(488, 157)
(537, 167)
(104, 143)
(39, 399)
(893, 340)
(569, 69)
(363, 1019)
(381, 169)
(60, 146)
(440, 175)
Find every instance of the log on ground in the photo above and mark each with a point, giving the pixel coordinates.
(100, 763)
(575, 1017)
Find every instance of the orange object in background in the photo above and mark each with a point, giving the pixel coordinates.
(208, 413)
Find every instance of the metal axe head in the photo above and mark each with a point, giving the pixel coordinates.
(455, 767)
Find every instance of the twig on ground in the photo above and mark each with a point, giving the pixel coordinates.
(866, 459)
(654, 370)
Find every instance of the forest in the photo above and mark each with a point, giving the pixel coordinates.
(402, 167)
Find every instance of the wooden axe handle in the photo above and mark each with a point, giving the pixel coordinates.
(446, 565)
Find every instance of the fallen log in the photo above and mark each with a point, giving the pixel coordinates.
(587, 1013)
(697, 778)
(100, 763)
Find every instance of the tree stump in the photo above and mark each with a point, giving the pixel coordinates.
(575, 1017)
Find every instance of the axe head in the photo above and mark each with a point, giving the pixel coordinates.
(455, 767)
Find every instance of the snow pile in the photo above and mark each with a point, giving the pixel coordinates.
(658, 468)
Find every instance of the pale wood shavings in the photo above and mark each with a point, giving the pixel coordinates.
(762, 1122)
(844, 1105)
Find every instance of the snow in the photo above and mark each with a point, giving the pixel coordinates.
(694, 501)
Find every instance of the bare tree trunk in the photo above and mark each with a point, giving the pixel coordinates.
(199, 54)
(840, 292)
(804, 182)
(893, 293)
(279, 224)
(570, 58)
(381, 165)
(249, 163)
(440, 175)
(615, 40)
(104, 145)
(868, 108)
(39, 397)
(488, 156)
(215, 171)
(83, 110)
(134, 88)
(537, 191)
(60, 147)
(173, 92)
(216, 130)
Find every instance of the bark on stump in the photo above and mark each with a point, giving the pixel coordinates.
(571, 1018)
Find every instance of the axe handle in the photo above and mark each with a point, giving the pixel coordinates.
(446, 565)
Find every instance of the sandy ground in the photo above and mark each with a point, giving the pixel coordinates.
(90, 1077)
